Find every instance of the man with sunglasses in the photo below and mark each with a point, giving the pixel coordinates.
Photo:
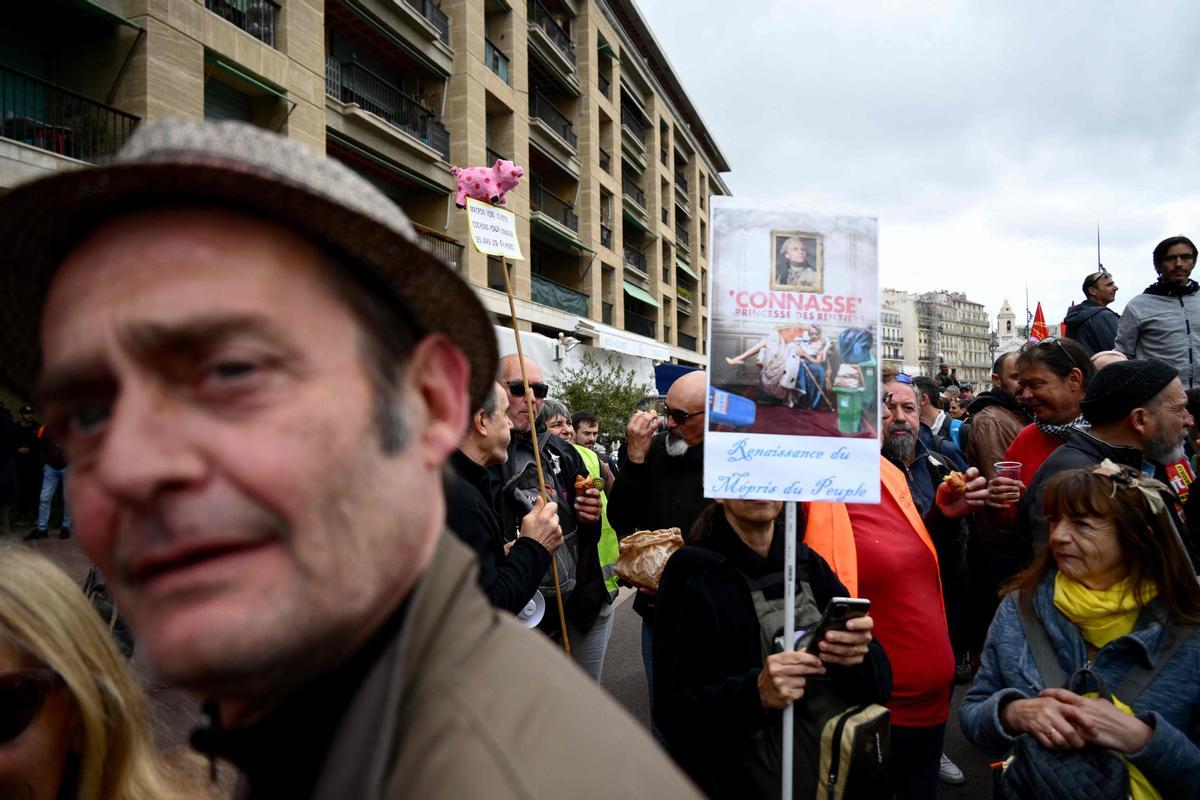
(585, 599)
(1092, 323)
(1163, 322)
(661, 480)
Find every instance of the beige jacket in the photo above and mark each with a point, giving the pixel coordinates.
(469, 704)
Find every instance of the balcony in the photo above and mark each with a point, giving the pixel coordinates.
(555, 295)
(687, 341)
(436, 17)
(662, 156)
(636, 323)
(605, 84)
(555, 207)
(349, 82)
(443, 247)
(541, 19)
(632, 190)
(605, 161)
(605, 235)
(635, 258)
(255, 17)
(682, 240)
(496, 61)
(681, 181)
(57, 120)
(683, 300)
(606, 313)
(541, 107)
(632, 120)
(493, 157)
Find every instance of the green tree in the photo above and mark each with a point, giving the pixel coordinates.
(607, 390)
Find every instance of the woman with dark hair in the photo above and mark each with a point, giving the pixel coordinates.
(717, 694)
(1160, 322)
(1113, 590)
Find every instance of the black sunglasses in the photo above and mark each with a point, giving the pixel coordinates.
(680, 417)
(22, 694)
(517, 389)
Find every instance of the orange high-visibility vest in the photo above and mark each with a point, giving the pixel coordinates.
(828, 531)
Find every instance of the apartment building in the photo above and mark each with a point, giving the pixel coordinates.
(940, 326)
(620, 167)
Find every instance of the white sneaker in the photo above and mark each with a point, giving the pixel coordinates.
(949, 772)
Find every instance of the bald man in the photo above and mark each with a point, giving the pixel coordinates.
(661, 480)
(585, 598)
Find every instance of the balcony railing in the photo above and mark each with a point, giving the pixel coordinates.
(255, 17)
(636, 323)
(605, 235)
(632, 119)
(662, 157)
(606, 313)
(448, 250)
(51, 118)
(635, 258)
(666, 217)
(541, 107)
(495, 59)
(496, 274)
(555, 295)
(435, 15)
(681, 181)
(540, 16)
(605, 85)
(605, 161)
(350, 82)
(631, 189)
(554, 206)
(681, 237)
(686, 341)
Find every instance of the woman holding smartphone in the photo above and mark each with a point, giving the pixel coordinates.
(719, 686)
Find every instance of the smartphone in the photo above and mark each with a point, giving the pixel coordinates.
(839, 610)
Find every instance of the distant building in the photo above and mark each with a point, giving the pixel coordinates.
(939, 326)
(1009, 335)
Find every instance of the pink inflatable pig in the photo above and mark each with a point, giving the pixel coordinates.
(488, 184)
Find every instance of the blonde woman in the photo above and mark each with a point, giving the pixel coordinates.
(73, 720)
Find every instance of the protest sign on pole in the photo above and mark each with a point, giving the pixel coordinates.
(493, 230)
(793, 383)
(793, 410)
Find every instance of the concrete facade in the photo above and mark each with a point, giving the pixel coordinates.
(942, 326)
(613, 210)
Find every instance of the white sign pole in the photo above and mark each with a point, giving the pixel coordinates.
(789, 635)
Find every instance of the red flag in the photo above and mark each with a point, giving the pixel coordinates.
(1039, 330)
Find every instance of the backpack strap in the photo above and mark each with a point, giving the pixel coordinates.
(1052, 674)
(1141, 676)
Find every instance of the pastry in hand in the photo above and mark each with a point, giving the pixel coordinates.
(956, 481)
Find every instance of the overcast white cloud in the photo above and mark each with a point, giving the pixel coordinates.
(989, 138)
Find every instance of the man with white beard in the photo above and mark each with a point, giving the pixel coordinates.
(1138, 413)
(661, 480)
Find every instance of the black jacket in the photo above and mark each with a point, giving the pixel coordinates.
(708, 654)
(1092, 325)
(509, 582)
(661, 492)
(561, 464)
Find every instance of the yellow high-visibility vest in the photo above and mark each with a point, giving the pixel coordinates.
(607, 547)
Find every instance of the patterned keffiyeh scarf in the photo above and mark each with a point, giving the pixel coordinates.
(1061, 431)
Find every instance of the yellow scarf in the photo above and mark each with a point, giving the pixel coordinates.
(1104, 615)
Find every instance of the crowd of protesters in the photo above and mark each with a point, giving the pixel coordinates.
(271, 427)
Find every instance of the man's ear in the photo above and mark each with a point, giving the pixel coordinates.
(1137, 420)
(479, 423)
(438, 377)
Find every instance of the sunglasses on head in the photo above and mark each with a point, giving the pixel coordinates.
(1094, 278)
(679, 416)
(22, 694)
(517, 389)
(1049, 340)
(903, 377)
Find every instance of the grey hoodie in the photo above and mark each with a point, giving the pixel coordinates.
(1164, 323)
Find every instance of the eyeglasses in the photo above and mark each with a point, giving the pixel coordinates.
(1058, 341)
(886, 400)
(680, 417)
(1094, 278)
(517, 389)
(22, 694)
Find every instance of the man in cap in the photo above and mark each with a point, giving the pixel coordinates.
(1138, 414)
(258, 375)
(1092, 323)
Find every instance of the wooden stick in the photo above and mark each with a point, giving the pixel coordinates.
(537, 452)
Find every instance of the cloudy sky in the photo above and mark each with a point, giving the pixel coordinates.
(988, 138)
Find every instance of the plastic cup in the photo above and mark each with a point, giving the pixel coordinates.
(1008, 469)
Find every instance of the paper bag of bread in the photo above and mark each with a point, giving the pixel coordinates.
(644, 555)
